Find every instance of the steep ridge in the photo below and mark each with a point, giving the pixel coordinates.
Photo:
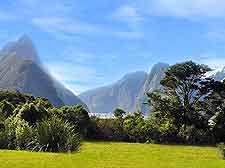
(151, 84)
(120, 94)
(21, 69)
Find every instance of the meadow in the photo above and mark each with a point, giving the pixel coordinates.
(117, 155)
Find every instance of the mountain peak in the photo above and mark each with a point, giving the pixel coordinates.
(218, 74)
(21, 70)
(24, 39)
(160, 65)
(22, 48)
(138, 75)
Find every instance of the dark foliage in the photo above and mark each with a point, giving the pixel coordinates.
(33, 123)
(190, 110)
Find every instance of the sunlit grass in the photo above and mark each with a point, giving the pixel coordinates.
(117, 155)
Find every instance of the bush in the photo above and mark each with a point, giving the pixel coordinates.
(222, 150)
(3, 140)
(6, 108)
(134, 127)
(31, 113)
(24, 135)
(76, 115)
(193, 135)
(109, 130)
(18, 133)
(56, 135)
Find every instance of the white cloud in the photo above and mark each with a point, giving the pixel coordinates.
(66, 28)
(128, 14)
(77, 55)
(211, 60)
(215, 63)
(67, 71)
(76, 88)
(63, 19)
(64, 25)
(71, 74)
(49, 7)
(190, 9)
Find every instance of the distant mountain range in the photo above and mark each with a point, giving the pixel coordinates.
(21, 70)
(129, 93)
(120, 94)
(218, 74)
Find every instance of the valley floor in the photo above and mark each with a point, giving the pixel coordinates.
(117, 155)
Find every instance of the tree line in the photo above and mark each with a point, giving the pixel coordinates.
(190, 109)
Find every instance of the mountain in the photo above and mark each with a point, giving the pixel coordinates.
(129, 93)
(151, 84)
(21, 69)
(218, 74)
(120, 94)
(67, 96)
(23, 48)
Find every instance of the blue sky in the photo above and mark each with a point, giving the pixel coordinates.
(87, 44)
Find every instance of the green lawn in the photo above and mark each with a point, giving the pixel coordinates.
(117, 155)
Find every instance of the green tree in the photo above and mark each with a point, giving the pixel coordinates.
(6, 108)
(216, 110)
(184, 92)
(133, 125)
(182, 102)
(119, 113)
(185, 81)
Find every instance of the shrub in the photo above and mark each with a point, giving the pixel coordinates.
(160, 129)
(24, 135)
(18, 133)
(221, 147)
(3, 140)
(56, 135)
(32, 113)
(193, 135)
(133, 125)
(119, 113)
(109, 129)
(6, 108)
(76, 115)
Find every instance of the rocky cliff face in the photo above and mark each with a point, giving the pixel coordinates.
(120, 94)
(151, 84)
(20, 69)
(129, 93)
(219, 74)
(22, 48)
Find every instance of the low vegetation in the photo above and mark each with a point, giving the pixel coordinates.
(221, 147)
(29, 123)
(190, 109)
(114, 155)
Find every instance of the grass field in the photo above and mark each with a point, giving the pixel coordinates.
(117, 155)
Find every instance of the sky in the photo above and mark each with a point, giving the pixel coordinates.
(91, 43)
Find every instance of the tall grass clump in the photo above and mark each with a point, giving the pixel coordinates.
(221, 147)
(56, 135)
